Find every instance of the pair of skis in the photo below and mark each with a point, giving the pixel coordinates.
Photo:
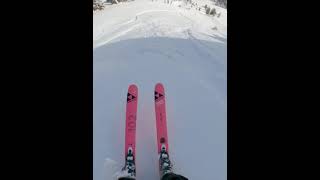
(165, 166)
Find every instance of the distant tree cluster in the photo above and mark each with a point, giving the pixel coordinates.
(210, 11)
(97, 5)
(100, 4)
(221, 3)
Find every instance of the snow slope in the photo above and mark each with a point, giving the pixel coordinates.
(145, 42)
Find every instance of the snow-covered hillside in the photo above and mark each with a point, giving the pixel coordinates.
(145, 42)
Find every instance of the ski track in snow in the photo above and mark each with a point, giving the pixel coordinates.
(144, 42)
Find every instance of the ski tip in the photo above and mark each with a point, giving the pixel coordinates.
(159, 87)
(133, 89)
(132, 94)
(158, 92)
(133, 86)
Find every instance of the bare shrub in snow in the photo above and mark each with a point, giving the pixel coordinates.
(207, 10)
(213, 12)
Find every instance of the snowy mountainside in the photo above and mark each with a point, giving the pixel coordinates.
(145, 42)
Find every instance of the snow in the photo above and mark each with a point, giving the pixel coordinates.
(145, 42)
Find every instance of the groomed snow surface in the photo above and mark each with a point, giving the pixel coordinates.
(143, 42)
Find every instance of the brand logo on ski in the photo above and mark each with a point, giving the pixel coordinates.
(157, 96)
(130, 97)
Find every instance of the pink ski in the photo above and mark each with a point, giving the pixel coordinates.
(129, 170)
(131, 115)
(161, 121)
(165, 165)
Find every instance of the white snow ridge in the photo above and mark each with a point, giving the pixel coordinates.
(144, 42)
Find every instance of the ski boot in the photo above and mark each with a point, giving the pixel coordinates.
(164, 161)
(129, 170)
(166, 171)
(172, 176)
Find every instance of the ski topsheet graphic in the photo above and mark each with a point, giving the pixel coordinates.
(129, 170)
